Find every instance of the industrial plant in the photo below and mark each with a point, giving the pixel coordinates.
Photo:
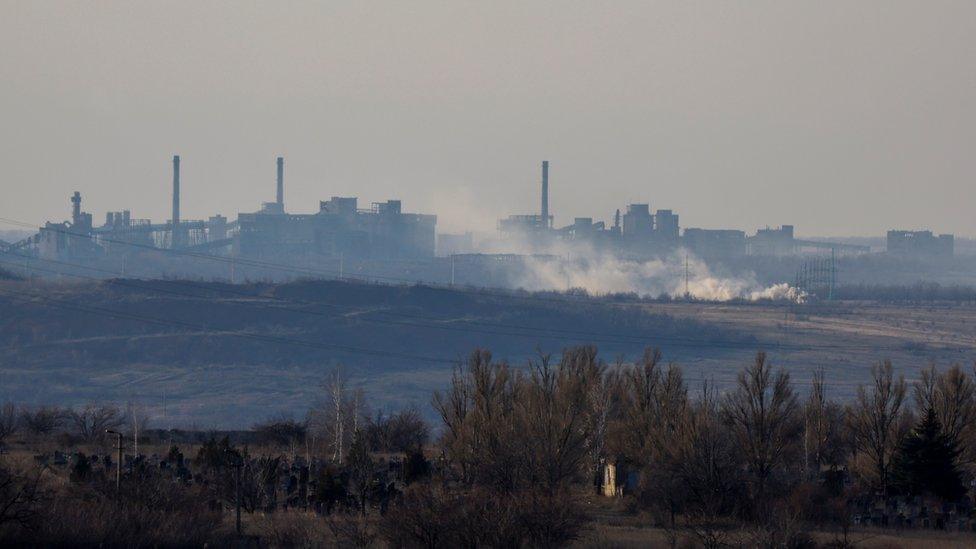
(381, 240)
(339, 228)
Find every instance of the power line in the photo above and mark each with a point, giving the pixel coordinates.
(224, 289)
(674, 341)
(591, 336)
(620, 339)
(275, 339)
(61, 303)
(332, 274)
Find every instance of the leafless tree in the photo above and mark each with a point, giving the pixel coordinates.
(9, 422)
(482, 434)
(703, 462)
(553, 415)
(603, 406)
(335, 419)
(20, 497)
(952, 395)
(282, 432)
(91, 421)
(763, 415)
(426, 516)
(42, 420)
(823, 426)
(351, 530)
(404, 431)
(874, 419)
(641, 408)
(137, 419)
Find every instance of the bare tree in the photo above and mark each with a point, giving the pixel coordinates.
(603, 407)
(703, 462)
(405, 431)
(823, 425)
(553, 415)
(482, 434)
(874, 420)
(137, 418)
(282, 432)
(335, 419)
(92, 420)
(42, 420)
(336, 388)
(641, 407)
(8, 421)
(952, 396)
(21, 497)
(762, 413)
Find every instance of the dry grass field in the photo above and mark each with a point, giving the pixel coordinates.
(212, 369)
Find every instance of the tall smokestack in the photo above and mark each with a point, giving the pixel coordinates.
(281, 183)
(177, 240)
(545, 193)
(75, 208)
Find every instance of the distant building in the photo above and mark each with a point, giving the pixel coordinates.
(70, 240)
(453, 244)
(523, 223)
(532, 224)
(666, 225)
(638, 224)
(920, 244)
(340, 227)
(773, 241)
(715, 243)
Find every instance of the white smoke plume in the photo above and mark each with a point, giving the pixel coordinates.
(579, 266)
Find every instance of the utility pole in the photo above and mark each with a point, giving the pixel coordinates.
(340, 265)
(452, 269)
(118, 463)
(687, 293)
(237, 461)
(135, 431)
(833, 276)
(237, 489)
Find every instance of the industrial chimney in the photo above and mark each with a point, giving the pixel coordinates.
(176, 239)
(76, 208)
(545, 194)
(281, 183)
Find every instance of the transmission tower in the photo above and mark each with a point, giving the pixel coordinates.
(817, 277)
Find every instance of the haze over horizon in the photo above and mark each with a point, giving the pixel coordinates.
(838, 118)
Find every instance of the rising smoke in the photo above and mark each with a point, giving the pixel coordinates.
(563, 266)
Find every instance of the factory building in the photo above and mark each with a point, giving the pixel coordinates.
(637, 232)
(453, 244)
(339, 228)
(920, 244)
(531, 223)
(666, 225)
(381, 235)
(638, 224)
(715, 243)
(773, 241)
(68, 240)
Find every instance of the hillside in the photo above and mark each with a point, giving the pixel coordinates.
(193, 345)
(214, 354)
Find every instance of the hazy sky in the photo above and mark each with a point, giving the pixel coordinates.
(839, 117)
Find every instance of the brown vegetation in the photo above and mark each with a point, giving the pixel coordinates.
(525, 456)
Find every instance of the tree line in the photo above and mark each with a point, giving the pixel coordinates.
(521, 455)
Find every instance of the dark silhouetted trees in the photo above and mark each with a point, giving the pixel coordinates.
(925, 462)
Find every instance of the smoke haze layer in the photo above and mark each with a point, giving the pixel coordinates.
(578, 266)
